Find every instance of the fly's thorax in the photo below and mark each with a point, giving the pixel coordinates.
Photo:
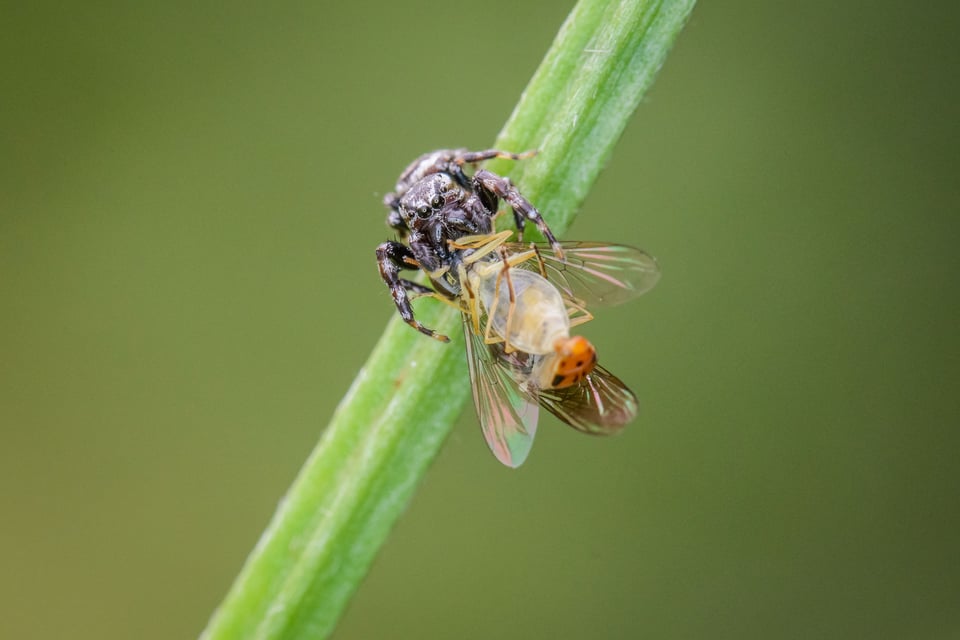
(536, 317)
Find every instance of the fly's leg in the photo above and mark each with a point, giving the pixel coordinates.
(540, 265)
(482, 245)
(578, 315)
(492, 186)
(512, 297)
(420, 291)
(391, 258)
(470, 303)
(488, 336)
(503, 275)
(518, 258)
(430, 293)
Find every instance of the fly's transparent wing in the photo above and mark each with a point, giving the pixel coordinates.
(599, 405)
(596, 274)
(508, 416)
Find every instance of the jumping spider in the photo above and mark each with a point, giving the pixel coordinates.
(434, 204)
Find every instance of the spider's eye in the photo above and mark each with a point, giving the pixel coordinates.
(423, 211)
(437, 202)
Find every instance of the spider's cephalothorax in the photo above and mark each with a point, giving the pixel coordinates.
(435, 203)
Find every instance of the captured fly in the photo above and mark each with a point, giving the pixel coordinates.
(519, 301)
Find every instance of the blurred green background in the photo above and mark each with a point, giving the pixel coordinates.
(189, 203)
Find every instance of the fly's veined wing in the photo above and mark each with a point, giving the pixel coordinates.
(595, 273)
(599, 405)
(508, 416)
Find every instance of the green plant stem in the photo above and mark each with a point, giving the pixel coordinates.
(406, 398)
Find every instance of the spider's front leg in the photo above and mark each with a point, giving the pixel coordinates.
(391, 258)
(490, 184)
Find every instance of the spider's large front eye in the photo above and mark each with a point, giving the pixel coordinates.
(437, 202)
(423, 211)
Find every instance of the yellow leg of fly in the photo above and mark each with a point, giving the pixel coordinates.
(540, 265)
(508, 263)
(483, 245)
(491, 313)
(486, 244)
(505, 264)
(441, 298)
(578, 315)
(487, 337)
(470, 305)
(576, 309)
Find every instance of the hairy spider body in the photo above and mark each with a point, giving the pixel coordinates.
(435, 203)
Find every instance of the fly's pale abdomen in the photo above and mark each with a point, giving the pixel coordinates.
(537, 316)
